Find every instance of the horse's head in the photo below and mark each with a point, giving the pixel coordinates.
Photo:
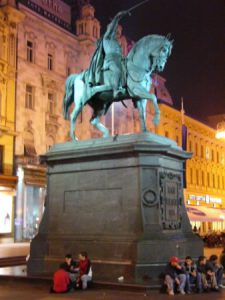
(151, 52)
(161, 53)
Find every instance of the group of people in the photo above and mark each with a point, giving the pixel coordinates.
(186, 277)
(72, 274)
(214, 239)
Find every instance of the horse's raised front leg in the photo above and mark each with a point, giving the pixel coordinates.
(142, 93)
(156, 117)
(141, 105)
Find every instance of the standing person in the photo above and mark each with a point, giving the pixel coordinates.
(214, 265)
(175, 276)
(208, 278)
(85, 270)
(61, 280)
(192, 275)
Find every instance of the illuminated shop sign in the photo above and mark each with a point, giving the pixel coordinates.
(6, 213)
(54, 10)
(206, 198)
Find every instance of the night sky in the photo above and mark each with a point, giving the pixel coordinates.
(196, 68)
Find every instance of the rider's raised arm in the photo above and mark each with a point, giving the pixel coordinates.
(112, 27)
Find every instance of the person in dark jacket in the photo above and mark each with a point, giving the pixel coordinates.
(208, 278)
(192, 275)
(71, 267)
(175, 276)
(214, 265)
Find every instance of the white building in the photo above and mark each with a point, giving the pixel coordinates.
(48, 51)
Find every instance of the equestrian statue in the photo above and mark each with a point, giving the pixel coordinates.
(112, 77)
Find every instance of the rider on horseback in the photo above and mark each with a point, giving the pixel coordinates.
(106, 64)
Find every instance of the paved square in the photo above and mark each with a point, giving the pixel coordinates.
(36, 291)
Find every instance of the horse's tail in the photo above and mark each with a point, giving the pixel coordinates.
(69, 94)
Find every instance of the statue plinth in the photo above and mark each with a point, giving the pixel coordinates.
(121, 200)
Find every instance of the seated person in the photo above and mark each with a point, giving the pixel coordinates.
(85, 270)
(208, 278)
(192, 275)
(72, 267)
(214, 265)
(61, 280)
(175, 276)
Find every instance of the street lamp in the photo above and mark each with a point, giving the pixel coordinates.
(220, 132)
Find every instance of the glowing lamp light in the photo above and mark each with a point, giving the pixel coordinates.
(220, 132)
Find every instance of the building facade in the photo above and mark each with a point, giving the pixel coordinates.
(48, 51)
(205, 171)
(9, 20)
(204, 193)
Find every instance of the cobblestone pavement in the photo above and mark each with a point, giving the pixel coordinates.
(34, 291)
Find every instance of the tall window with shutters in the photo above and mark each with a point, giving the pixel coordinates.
(50, 61)
(29, 97)
(1, 158)
(30, 51)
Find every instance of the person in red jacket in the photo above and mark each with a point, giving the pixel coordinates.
(61, 280)
(85, 270)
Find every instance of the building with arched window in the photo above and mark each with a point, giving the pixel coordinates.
(48, 51)
(9, 20)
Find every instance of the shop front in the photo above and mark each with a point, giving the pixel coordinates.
(7, 197)
(206, 213)
(31, 190)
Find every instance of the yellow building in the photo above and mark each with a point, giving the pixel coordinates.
(9, 19)
(205, 171)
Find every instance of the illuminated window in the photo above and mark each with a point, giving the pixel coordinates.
(1, 158)
(218, 157)
(0, 103)
(191, 175)
(197, 177)
(51, 103)
(68, 71)
(202, 151)
(214, 181)
(29, 97)
(190, 146)
(213, 156)
(30, 54)
(203, 178)
(196, 149)
(218, 181)
(208, 179)
(50, 62)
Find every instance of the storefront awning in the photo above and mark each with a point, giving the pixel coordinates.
(205, 214)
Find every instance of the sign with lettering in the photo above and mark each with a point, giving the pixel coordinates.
(54, 10)
(205, 198)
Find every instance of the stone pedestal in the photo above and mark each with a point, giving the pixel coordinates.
(121, 200)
